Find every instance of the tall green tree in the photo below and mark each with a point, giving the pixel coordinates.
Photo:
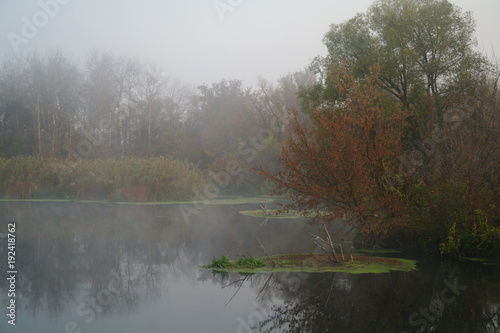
(423, 47)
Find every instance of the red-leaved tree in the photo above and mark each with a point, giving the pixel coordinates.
(338, 164)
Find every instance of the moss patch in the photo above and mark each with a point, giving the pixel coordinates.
(315, 262)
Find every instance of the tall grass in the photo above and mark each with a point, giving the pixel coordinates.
(129, 179)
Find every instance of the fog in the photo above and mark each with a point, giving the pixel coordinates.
(141, 141)
(199, 42)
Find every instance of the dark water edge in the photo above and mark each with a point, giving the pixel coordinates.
(94, 267)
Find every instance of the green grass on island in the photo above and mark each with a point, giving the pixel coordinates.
(312, 263)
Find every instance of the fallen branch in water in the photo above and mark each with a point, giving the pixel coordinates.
(264, 209)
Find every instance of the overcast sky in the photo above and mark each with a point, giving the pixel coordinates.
(198, 41)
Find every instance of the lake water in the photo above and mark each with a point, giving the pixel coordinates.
(91, 267)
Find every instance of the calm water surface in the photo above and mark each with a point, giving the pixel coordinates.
(90, 267)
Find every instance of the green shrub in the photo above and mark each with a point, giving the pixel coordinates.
(222, 262)
(250, 263)
(446, 221)
(451, 244)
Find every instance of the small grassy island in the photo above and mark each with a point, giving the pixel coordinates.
(311, 263)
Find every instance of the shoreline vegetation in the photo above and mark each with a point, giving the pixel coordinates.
(148, 181)
(125, 180)
(312, 263)
(154, 181)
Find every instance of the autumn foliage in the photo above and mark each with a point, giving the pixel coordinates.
(337, 164)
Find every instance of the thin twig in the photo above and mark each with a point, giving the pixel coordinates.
(265, 252)
(235, 281)
(265, 284)
(326, 252)
(330, 291)
(331, 243)
(319, 238)
(341, 252)
(248, 255)
(241, 285)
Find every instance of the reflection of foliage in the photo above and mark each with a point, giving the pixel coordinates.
(339, 302)
(71, 253)
(223, 274)
(75, 254)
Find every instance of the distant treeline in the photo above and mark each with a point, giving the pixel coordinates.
(117, 107)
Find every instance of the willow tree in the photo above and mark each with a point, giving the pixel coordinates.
(423, 47)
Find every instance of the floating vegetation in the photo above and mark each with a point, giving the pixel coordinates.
(314, 262)
(243, 263)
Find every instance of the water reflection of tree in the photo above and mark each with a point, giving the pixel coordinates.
(339, 302)
(73, 254)
(49, 274)
(71, 251)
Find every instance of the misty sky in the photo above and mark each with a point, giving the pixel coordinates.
(198, 41)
